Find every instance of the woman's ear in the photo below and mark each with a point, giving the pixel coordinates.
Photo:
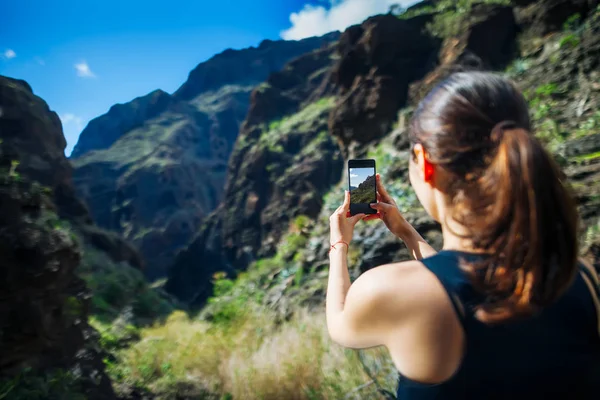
(426, 169)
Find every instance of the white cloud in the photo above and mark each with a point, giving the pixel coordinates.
(83, 70)
(72, 121)
(9, 53)
(318, 20)
(353, 176)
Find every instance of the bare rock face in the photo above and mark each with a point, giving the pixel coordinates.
(283, 162)
(487, 42)
(154, 168)
(378, 61)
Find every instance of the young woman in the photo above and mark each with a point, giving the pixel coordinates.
(505, 310)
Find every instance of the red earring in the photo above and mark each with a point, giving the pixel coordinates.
(428, 171)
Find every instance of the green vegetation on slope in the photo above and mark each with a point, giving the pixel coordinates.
(302, 121)
(450, 16)
(214, 101)
(137, 144)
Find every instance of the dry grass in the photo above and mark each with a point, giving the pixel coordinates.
(253, 359)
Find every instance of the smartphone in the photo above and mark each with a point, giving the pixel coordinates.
(362, 187)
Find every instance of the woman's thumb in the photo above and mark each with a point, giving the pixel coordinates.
(380, 206)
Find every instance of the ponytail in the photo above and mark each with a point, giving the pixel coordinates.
(504, 189)
(519, 211)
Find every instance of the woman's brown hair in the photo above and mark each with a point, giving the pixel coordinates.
(505, 190)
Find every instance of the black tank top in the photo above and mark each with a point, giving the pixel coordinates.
(552, 355)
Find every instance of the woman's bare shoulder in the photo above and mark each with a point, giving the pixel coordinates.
(408, 287)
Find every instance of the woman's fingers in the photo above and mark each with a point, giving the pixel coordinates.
(346, 205)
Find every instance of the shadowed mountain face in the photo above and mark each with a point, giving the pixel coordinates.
(153, 168)
(45, 304)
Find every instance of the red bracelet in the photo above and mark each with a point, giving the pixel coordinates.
(338, 242)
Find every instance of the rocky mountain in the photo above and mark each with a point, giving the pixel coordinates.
(377, 74)
(152, 169)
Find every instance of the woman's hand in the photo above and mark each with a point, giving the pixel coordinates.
(388, 211)
(342, 226)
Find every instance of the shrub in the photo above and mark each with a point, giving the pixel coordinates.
(255, 359)
(573, 22)
(570, 40)
(546, 90)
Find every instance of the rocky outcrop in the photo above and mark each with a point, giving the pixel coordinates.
(283, 163)
(44, 305)
(378, 61)
(166, 170)
(33, 146)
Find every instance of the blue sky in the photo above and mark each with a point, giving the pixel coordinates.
(84, 56)
(358, 175)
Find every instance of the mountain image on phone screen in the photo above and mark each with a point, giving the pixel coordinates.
(362, 185)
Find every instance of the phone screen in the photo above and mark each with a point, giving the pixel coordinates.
(362, 186)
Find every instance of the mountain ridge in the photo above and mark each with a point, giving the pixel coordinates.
(94, 135)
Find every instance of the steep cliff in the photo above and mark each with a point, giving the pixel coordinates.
(45, 305)
(153, 168)
(283, 162)
(57, 267)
